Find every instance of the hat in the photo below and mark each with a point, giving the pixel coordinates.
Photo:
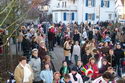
(35, 49)
(74, 68)
(89, 71)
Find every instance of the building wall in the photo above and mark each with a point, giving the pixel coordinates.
(82, 11)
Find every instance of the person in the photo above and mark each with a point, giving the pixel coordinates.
(79, 66)
(42, 51)
(76, 36)
(76, 52)
(67, 48)
(105, 78)
(75, 76)
(26, 47)
(64, 69)
(34, 44)
(119, 54)
(104, 66)
(35, 63)
(47, 74)
(19, 40)
(94, 67)
(66, 79)
(112, 60)
(23, 72)
(50, 39)
(47, 59)
(56, 77)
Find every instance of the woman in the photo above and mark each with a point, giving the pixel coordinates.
(76, 52)
(64, 69)
(34, 44)
(35, 63)
(23, 72)
(47, 59)
(42, 51)
(104, 66)
(47, 74)
(67, 49)
(94, 67)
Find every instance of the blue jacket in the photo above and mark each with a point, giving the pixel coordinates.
(46, 76)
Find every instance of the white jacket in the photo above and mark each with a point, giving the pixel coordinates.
(76, 50)
(79, 78)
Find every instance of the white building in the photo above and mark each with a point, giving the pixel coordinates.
(67, 11)
(120, 9)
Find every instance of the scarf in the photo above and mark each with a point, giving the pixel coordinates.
(27, 73)
(74, 77)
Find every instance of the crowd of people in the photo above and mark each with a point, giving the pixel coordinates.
(93, 54)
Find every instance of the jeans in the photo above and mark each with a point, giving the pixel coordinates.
(76, 58)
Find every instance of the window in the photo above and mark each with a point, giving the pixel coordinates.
(105, 3)
(90, 16)
(62, 4)
(90, 3)
(58, 5)
(65, 4)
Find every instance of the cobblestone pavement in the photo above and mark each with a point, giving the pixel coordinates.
(57, 57)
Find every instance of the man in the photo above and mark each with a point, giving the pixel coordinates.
(23, 72)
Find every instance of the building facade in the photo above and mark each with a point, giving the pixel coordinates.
(120, 9)
(68, 11)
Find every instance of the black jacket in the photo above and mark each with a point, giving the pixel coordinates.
(119, 53)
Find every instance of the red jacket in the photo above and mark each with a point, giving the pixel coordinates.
(95, 70)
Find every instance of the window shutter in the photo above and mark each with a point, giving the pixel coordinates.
(102, 3)
(93, 17)
(86, 3)
(93, 3)
(72, 16)
(86, 16)
(108, 3)
(64, 16)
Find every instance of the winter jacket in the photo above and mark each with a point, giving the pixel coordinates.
(76, 50)
(67, 49)
(19, 74)
(119, 53)
(63, 69)
(46, 76)
(35, 64)
(78, 76)
(95, 70)
(76, 37)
